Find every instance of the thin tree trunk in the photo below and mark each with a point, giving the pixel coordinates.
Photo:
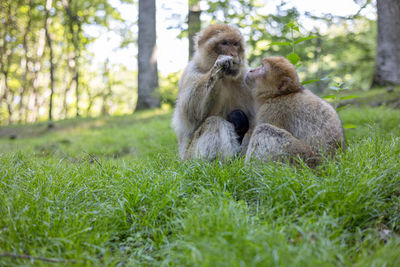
(6, 97)
(51, 59)
(66, 77)
(74, 20)
(147, 60)
(387, 65)
(108, 83)
(194, 24)
(5, 62)
(34, 102)
(76, 59)
(24, 66)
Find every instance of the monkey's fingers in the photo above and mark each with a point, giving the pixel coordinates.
(218, 70)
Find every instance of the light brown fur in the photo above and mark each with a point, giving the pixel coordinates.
(282, 101)
(212, 86)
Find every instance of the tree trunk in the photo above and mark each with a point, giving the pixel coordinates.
(194, 24)
(147, 60)
(108, 93)
(35, 69)
(76, 60)
(25, 60)
(47, 23)
(6, 55)
(75, 29)
(387, 65)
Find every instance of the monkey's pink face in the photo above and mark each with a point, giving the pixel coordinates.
(255, 78)
(276, 76)
(231, 46)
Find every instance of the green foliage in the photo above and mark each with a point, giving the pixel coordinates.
(338, 98)
(345, 49)
(295, 59)
(169, 88)
(24, 57)
(112, 191)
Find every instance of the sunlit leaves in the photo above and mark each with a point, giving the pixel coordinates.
(329, 97)
(293, 25)
(348, 97)
(293, 58)
(281, 43)
(300, 40)
(310, 81)
(349, 126)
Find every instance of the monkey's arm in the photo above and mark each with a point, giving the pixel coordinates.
(199, 90)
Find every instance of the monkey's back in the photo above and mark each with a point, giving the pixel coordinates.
(307, 117)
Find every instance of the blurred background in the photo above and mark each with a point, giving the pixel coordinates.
(67, 58)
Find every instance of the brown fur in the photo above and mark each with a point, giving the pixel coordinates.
(282, 101)
(212, 86)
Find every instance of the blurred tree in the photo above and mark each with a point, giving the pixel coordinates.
(387, 65)
(47, 23)
(147, 60)
(74, 22)
(8, 31)
(194, 24)
(43, 46)
(26, 60)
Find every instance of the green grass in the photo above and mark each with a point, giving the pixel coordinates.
(112, 191)
(374, 97)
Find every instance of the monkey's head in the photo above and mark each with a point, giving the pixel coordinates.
(277, 76)
(220, 39)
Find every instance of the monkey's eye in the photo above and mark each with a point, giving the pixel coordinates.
(236, 44)
(224, 42)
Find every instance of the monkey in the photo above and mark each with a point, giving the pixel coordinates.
(290, 120)
(210, 89)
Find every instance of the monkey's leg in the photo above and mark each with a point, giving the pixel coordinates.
(270, 143)
(216, 137)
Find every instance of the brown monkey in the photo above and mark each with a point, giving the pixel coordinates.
(210, 89)
(308, 125)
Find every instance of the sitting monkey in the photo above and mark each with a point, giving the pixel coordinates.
(211, 91)
(290, 120)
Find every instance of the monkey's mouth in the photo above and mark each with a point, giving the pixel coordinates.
(233, 71)
(237, 62)
(248, 81)
(235, 67)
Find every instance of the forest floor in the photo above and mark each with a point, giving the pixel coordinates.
(112, 191)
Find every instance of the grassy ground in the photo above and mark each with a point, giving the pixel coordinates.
(111, 191)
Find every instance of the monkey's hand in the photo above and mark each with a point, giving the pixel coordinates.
(223, 65)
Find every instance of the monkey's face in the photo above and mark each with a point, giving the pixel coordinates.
(217, 40)
(230, 45)
(253, 76)
(276, 76)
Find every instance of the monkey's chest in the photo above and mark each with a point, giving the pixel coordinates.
(227, 101)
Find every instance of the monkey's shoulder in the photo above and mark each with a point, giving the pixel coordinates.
(295, 108)
(306, 102)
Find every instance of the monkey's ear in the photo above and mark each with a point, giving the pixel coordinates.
(289, 85)
(285, 85)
